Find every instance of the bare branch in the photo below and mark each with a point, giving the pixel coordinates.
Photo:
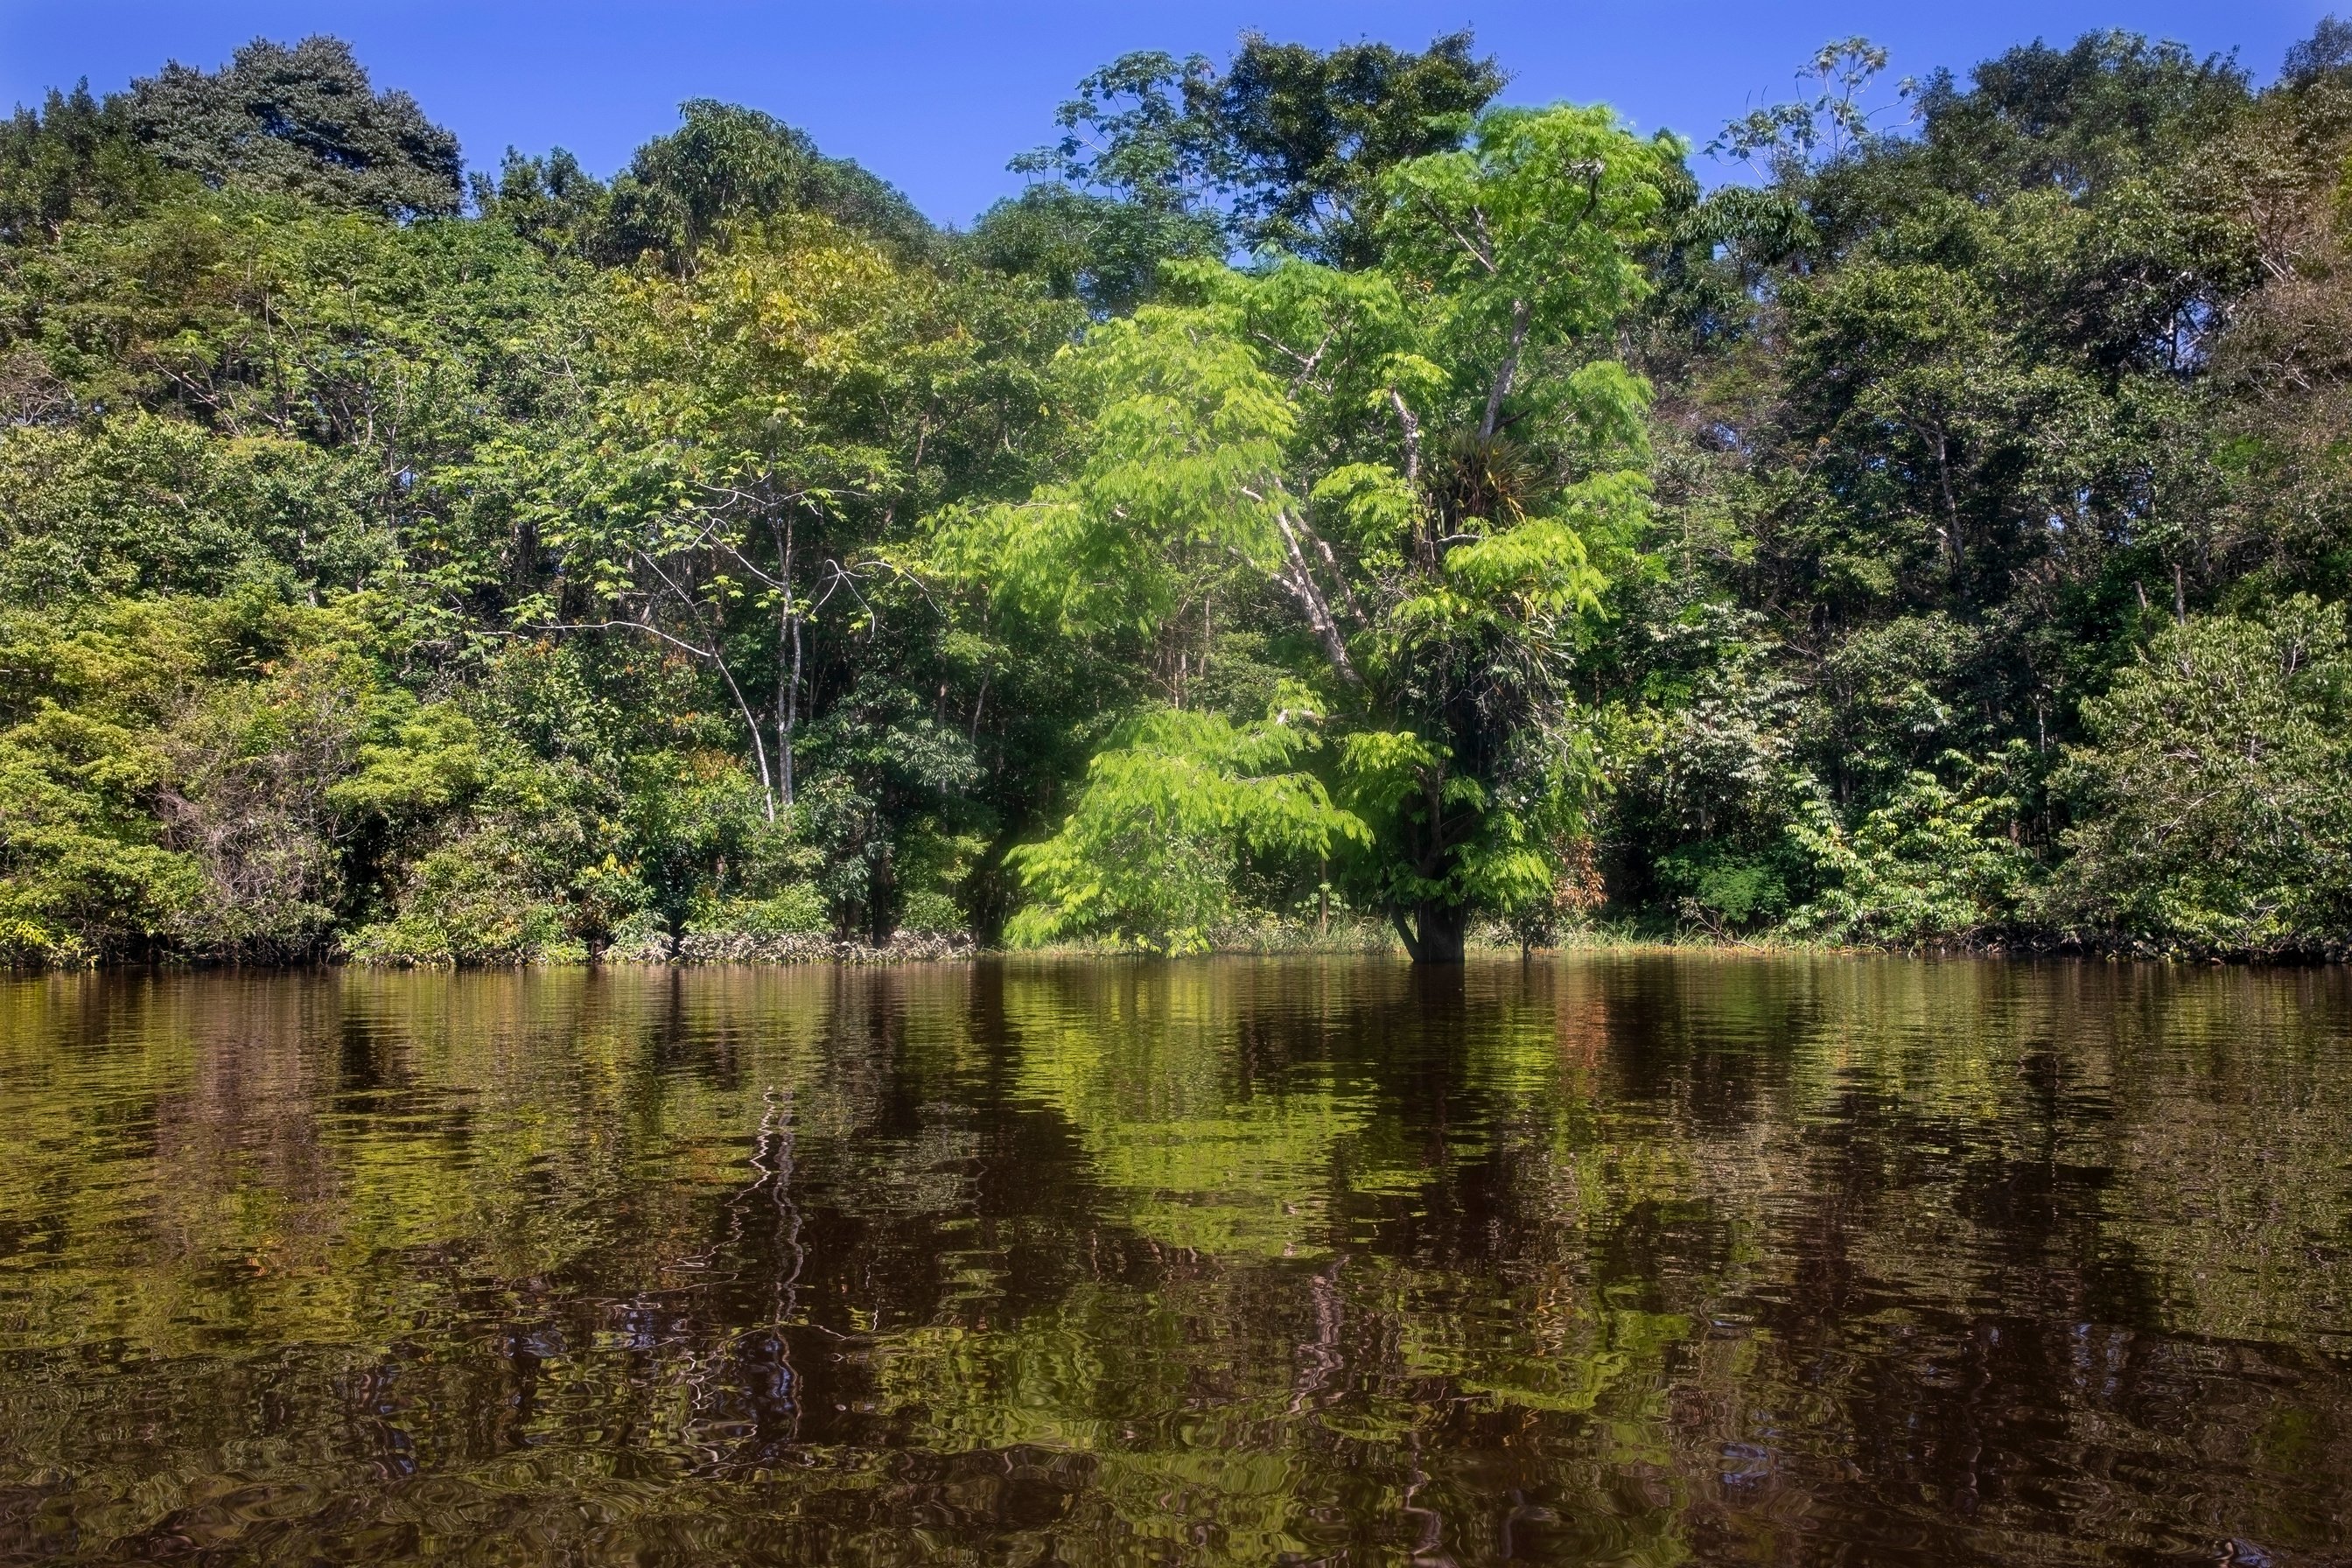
(1301, 584)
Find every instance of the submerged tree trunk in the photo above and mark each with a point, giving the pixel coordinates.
(1434, 933)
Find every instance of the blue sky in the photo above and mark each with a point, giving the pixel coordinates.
(936, 97)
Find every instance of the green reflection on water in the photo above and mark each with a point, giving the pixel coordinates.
(1634, 1259)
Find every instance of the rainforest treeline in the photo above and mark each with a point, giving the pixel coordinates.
(1327, 499)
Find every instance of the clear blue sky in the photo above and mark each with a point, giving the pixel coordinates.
(936, 97)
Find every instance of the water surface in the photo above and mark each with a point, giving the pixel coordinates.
(1632, 1259)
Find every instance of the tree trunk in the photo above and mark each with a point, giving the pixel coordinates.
(1520, 317)
(1300, 580)
(1434, 934)
(880, 898)
(788, 667)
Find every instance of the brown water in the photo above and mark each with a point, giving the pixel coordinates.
(1635, 1260)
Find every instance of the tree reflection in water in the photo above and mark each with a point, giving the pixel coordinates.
(1636, 1259)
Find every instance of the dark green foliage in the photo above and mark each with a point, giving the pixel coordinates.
(1307, 136)
(2109, 106)
(302, 121)
(725, 166)
(2214, 811)
(1286, 144)
(552, 202)
(1725, 886)
(76, 157)
(731, 164)
(2325, 52)
(1103, 252)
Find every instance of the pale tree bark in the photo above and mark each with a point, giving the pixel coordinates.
(1300, 580)
(1521, 316)
(788, 661)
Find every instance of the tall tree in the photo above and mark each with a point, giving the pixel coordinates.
(76, 157)
(731, 164)
(305, 121)
(1410, 456)
(762, 430)
(1288, 143)
(1085, 245)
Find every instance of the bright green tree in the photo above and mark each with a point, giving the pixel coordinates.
(1150, 851)
(1411, 458)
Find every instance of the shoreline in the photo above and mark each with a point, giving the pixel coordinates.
(798, 950)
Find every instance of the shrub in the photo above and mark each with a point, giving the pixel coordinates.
(1934, 864)
(1146, 854)
(793, 910)
(469, 902)
(1725, 886)
(30, 945)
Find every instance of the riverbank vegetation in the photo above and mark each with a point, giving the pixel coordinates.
(1327, 494)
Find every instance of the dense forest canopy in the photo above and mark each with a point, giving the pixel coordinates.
(1326, 494)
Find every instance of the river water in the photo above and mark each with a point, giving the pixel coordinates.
(1622, 1258)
